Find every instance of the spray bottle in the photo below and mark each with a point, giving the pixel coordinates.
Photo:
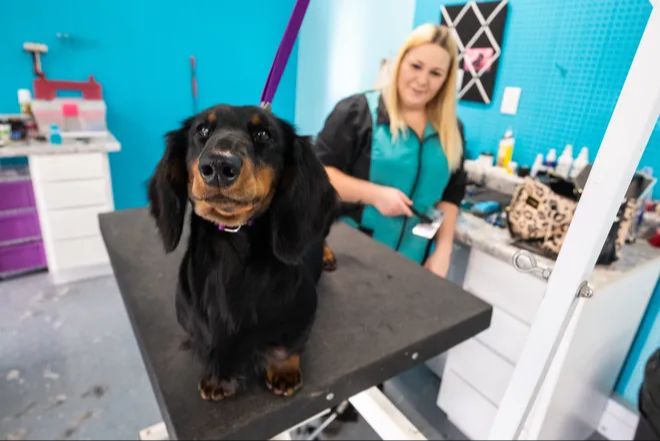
(505, 151)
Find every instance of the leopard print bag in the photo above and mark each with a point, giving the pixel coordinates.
(528, 215)
(538, 214)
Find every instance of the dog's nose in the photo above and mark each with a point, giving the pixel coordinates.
(220, 170)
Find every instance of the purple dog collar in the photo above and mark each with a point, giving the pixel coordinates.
(229, 229)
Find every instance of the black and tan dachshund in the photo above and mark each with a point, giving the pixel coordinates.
(262, 206)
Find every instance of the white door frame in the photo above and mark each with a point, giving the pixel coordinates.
(625, 139)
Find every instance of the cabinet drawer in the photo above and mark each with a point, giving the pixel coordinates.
(76, 222)
(72, 194)
(506, 335)
(48, 168)
(20, 225)
(16, 194)
(482, 368)
(498, 283)
(22, 257)
(466, 408)
(73, 253)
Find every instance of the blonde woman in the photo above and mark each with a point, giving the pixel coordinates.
(395, 153)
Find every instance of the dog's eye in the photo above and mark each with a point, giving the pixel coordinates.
(203, 131)
(261, 136)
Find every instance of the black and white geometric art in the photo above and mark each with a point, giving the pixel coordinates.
(478, 28)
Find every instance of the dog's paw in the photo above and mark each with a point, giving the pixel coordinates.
(329, 259)
(284, 383)
(214, 389)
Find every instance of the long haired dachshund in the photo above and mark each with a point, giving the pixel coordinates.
(262, 206)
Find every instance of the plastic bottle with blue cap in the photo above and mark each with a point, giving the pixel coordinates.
(55, 135)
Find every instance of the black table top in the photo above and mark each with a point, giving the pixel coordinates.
(379, 314)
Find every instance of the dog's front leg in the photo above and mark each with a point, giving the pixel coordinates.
(283, 374)
(225, 375)
(215, 388)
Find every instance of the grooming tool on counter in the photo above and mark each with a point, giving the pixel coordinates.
(497, 219)
(485, 208)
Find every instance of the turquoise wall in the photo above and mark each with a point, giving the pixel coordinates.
(139, 52)
(646, 342)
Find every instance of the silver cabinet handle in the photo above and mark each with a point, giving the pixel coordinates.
(525, 262)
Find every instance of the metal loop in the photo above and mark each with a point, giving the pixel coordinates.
(525, 262)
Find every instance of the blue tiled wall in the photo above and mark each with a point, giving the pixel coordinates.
(570, 59)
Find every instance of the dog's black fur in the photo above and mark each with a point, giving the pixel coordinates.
(246, 299)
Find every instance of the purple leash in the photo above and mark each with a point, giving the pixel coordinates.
(276, 71)
(283, 52)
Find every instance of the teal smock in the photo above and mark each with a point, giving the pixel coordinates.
(357, 140)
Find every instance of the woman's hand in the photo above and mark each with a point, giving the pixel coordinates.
(390, 201)
(438, 262)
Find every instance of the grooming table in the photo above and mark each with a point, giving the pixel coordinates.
(379, 314)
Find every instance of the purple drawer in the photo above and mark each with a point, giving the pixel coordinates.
(17, 226)
(22, 257)
(16, 194)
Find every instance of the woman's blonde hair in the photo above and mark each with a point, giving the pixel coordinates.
(441, 110)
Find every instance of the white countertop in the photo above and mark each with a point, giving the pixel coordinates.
(475, 232)
(15, 149)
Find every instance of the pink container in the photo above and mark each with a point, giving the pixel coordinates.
(23, 257)
(17, 226)
(16, 194)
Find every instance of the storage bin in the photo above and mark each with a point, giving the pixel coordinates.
(22, 257)
(91, 114)
(16, 194)
(15, 226)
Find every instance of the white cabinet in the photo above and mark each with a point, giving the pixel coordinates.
(498, 283)
(506, 335)
(478, 370)
(71, 189)
(466, 407)
(589, 357)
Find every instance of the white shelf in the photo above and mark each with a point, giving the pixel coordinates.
(17, 149)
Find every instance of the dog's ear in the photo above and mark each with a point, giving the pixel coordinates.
(304, 202)
(168, 188)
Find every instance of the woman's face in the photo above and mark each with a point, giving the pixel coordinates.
(423, 71)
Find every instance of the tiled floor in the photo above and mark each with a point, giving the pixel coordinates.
(69, 364)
